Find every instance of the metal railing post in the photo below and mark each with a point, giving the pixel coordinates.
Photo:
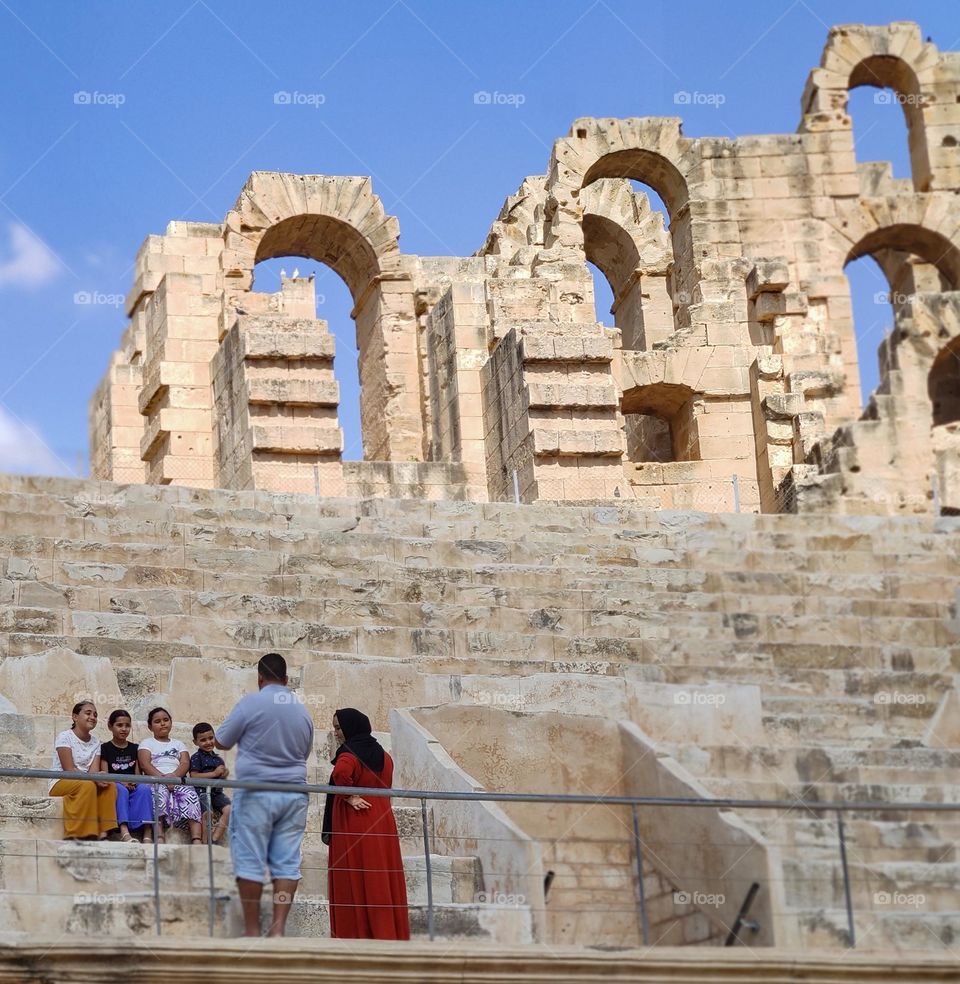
(156, 860)
(426, 855)
(735, 479)
(846, 882)
(516, 487)
(213, 904)
(638, 848)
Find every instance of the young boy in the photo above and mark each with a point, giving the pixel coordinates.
(206, 764)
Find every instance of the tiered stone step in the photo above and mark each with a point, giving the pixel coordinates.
(827, 619)
(822, 763)
(109, 888)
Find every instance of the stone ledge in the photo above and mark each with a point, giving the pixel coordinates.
(159, 961)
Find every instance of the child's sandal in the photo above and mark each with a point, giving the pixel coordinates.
(196, 840)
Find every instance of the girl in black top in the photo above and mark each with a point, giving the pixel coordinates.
(134, 807)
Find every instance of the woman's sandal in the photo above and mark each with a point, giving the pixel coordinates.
(127, 837)
(196, 840)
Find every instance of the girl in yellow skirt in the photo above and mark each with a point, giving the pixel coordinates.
(89, 807)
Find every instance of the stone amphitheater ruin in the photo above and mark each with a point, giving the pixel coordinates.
(542, 576)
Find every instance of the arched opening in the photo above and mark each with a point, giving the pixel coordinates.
(885, 270)
(628, 252)
(301, 288)
(871, 301)
(944, 385)
(656, 182)
(603, 296)
(660, 423)
(324, 239)
(338, 245)
(895, 84)
(341, 223)
(929, 247)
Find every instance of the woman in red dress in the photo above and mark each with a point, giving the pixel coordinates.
(368, 895)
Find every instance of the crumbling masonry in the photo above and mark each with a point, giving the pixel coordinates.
(733, 351)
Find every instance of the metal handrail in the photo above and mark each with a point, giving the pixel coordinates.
(832, 806)
(484, 796)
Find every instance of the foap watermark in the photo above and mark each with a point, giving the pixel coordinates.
(485, 98)
(499, 898)
(701, 900)
(85, 98)
(99, 298)
(288, 898)
(697, 698)
(97, 898)
(896, 697)
(686, 98)
(913, 900)
(108, 700)
(493, 698)
(887, 97)
(296, 98)
(292, 697)
(891, 297)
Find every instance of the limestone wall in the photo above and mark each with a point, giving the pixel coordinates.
(733, 351)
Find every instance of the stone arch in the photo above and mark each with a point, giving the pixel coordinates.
(895, 73)
(891, 56)
(334, 220)
(897, 231)
(922, 267)
(625, 239)
(340, 222)
(943, 384)
(648, 150)
(520, 222)
(913, 240)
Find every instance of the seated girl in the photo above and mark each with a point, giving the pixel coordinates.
(134, 805)
(162, 755)
(89, 807)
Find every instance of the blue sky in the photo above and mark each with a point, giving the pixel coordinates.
(182, 109)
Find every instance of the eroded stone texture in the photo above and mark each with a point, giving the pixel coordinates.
(733, 352)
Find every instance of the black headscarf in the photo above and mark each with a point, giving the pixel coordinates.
(358, 741)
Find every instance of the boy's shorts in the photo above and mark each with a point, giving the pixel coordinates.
(220, 800)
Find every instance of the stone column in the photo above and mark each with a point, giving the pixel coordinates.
(552, 414)
(276, 405)
(182, 337)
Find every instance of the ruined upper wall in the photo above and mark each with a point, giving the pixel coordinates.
(730, 378)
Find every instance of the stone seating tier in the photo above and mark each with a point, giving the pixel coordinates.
(811, 658)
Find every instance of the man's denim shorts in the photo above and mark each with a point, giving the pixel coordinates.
(266, 832)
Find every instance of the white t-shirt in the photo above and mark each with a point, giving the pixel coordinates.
(164, 755)
(84, 752)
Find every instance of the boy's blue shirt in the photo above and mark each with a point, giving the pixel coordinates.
(202, 761)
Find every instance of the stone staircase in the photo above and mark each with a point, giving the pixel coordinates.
(833, 641)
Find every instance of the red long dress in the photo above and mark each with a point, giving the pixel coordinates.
(368, 896)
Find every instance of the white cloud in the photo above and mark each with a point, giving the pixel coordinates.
(28, 262)
(24, 452)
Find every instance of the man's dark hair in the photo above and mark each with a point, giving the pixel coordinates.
(273, 668)
(201, 728)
